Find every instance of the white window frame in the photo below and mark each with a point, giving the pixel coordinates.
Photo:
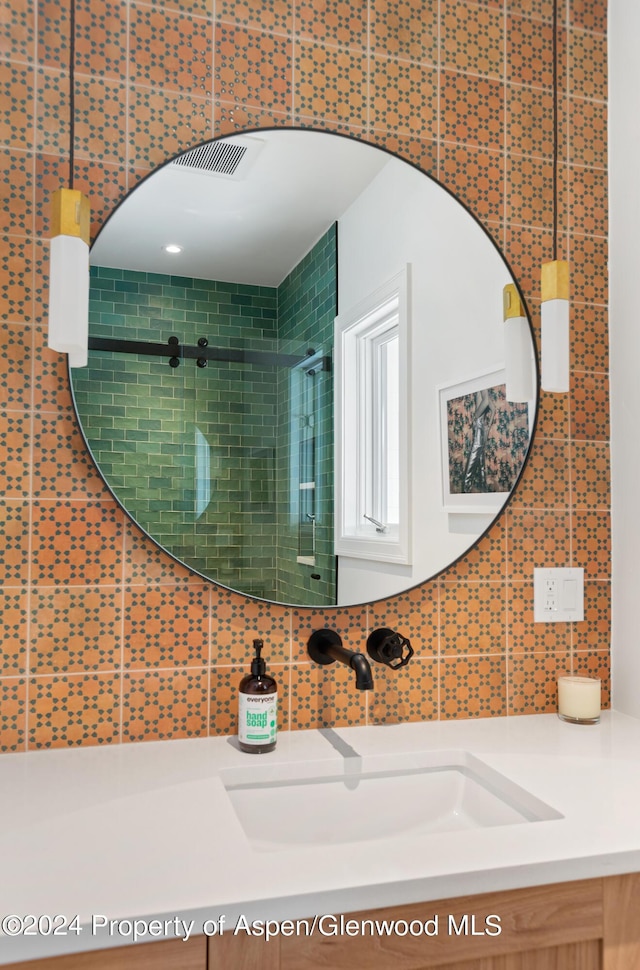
(361, 334)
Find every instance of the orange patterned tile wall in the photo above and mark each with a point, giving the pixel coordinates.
(103, 638)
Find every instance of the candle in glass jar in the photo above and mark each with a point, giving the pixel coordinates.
(579, 699)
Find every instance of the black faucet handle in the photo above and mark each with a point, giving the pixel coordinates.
(389, 647)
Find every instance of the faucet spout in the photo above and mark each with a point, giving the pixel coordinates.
(325, 647)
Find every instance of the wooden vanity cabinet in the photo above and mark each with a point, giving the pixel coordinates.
(591, 924)
(162, 955)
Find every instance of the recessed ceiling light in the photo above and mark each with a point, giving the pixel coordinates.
(173, 248)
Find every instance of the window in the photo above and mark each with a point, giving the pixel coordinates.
(372, 418)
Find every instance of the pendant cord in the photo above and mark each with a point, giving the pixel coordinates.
(555, 128)
(72, 59)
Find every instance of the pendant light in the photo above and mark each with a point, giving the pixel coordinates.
(69, 256)
(517, 348)
(555, 274)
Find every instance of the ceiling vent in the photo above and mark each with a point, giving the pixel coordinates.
(225, 158)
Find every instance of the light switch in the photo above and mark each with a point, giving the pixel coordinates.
(558, 595)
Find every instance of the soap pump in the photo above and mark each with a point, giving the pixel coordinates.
(257, 707)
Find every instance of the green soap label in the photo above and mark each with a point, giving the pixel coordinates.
(257, 718)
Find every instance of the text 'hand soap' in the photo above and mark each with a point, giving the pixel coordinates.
(257, 707)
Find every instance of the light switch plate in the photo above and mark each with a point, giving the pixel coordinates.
(558, 595)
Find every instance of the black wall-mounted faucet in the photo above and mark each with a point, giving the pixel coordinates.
(325, 647)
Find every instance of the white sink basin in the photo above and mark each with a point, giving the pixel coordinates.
(375, 798)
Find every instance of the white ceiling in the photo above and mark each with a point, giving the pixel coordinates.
(253, 230)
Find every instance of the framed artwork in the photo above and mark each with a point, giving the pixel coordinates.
(484, 441)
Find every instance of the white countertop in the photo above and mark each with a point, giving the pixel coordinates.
(147, 831)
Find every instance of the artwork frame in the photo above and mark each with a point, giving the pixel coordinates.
(484, 440)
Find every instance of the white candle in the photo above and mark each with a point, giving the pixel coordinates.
(579, 699)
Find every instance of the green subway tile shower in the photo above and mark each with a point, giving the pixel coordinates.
(199, 455)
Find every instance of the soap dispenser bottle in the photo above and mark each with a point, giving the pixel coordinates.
(257, 707)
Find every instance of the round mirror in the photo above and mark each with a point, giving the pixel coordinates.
(297, 381)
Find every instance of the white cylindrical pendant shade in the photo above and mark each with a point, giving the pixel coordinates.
(518, 359)
(69, 298)
(554, 334)
(555, 346)
(518, 348)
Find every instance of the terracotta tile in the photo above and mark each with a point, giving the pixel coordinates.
(99, 108)
(330, 84)
(594, 632)
(592, 544)
(52, 34)
(15, 365)
(169, 49)
(68, 711)
(528, 248)
(16, 192)
(166, 626)
(524, 636)
(591, 471)
(472, 687)
(589, 338)
(533, 683)
(75, 630)
(13, 635)
(414, 614)
(51, 376)
(529, 191)
(595, 665)
(14, 562)
(408, 694)
(163, 124)
(588, 65)
(14, 454)
(476, 177)
(77, 543)
(225, 683)
(276, 16)
(13, 714)
(18, 21)
(553, 415)
(325, 696)
(231, 117)
(53, 112)
(62, 466)
(16, 273)
(545, 481)
(164, 704)
(587, 202)
(536, 538)
(472, 618)
(471, 110)
(405, 30)
(587, 133)
(237, 621)
(333, 21)
(529, 51)
(529, 121)
(588, 14)
(589, 275)
(590, 406)
(17, 91)
(101, 37)
(539, 9)
(253, 68)
(472, 38)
